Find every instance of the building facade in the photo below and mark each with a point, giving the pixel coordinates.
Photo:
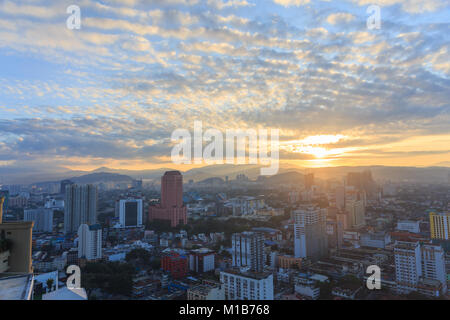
(440, 225)
(80, 206)
(90, 242)
(248, 250)
(130, 212)
(310, 236)
(247, 285)
(42, 218)
(171, 207)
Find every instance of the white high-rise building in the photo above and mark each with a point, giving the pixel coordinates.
(90, 242)
(408, 265)
(247, 285)
(130, 212)
(310, 236)
(248, 250)
(417, 264)
(80, 206)
(433, 264)
(42, 217)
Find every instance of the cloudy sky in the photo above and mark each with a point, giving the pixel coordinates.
(111, 93)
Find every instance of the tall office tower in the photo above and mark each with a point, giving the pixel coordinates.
(90, 242)
(80, 206)
(171, 207)
(440, 225)
(130, 212)
(247, 285)
(362, 181)
(408, 265)
(42, 218)
(339, 193)
(433, 264)
(309, 180)
(64, 183)
(15, 250)
(354, 179)
(310, 236)
(356, 212)
(248, 250)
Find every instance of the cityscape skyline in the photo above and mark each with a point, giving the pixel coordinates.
(261, 153)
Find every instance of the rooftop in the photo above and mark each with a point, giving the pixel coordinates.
(16, 287)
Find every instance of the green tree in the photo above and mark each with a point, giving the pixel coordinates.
(49, 284)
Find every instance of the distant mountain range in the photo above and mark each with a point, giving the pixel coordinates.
(285, 175)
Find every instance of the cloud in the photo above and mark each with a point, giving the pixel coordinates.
(137, 70)
(289, 3)
(410, 6)
(341, 17)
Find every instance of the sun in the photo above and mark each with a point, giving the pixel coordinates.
(313, 145)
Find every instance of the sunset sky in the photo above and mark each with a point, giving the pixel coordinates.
(112, 93)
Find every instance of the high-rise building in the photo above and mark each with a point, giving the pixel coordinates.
(248, 250)
(355, 207)
(416, 265)
(64, 183)
(244, 285)
(408, 265)
(340, 197)
(433, 264)
(42, 217)
(440, 225)
(16, 243)
(309, 180)
(310, 236)
(130, 212)
(80, 206)
(361, 181)
(171, 208)
(90, 242)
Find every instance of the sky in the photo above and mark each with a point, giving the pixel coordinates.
(112, 92)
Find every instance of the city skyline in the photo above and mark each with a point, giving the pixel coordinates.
(112, 92)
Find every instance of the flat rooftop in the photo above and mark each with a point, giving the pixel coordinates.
(15, 287)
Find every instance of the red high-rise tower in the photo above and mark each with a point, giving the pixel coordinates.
(171, 207)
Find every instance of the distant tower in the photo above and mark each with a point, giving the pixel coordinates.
(130, 212)
(64, 183)
(172, 189)
(309, 180)
(80, 206)
(171, 207)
